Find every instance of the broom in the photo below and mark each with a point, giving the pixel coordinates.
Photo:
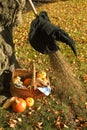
(66, 82)
(68, 88)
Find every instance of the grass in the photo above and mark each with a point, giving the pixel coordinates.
(48, 113)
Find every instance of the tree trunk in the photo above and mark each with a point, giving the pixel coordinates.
(10, 15)
(8, 58)
(69, 90)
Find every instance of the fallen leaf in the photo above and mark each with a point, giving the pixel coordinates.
(12, 123)
(38, 108)
(86, 105)
(85, 77)
(39, 125)
(1, 128)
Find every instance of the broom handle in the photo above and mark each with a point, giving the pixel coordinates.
(33, 7)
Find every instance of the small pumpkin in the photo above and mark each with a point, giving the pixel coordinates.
(29, 101)
(27, 82)
(19, 105)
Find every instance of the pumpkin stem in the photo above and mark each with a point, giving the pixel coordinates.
(17, 101)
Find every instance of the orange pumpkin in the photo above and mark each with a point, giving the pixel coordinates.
(19, 105)
(27, 81)
(29, 101)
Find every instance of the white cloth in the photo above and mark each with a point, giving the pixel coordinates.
(46, 90)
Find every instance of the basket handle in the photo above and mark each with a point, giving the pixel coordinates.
(33, 81)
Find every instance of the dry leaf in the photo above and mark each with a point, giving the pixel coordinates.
(38, 108)
(19, 119)
(85, 77)
(1, 128)
(80, 118)
(86, 105)
(12, 123)
(39, 125)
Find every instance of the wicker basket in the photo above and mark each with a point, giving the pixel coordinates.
(24, 92)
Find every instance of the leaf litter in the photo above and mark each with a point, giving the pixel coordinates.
(70, 15)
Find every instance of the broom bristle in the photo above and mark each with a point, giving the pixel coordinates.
(67, 84)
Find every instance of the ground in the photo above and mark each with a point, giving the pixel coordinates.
(48, 113)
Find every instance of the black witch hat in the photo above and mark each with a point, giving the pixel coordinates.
(43, 35)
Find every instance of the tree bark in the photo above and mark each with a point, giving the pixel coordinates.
(10, 15)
